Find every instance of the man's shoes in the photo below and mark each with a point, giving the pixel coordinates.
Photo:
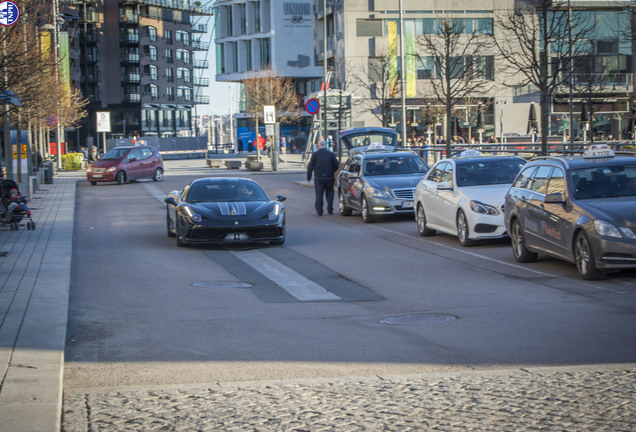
(331, 212)
(319, 214)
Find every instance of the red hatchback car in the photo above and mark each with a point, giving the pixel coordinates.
(122, 164)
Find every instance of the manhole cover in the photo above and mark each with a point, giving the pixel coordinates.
(417, 319)
(222, 285)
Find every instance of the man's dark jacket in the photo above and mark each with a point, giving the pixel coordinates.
(323, 163)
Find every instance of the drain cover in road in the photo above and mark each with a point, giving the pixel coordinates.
(222, 285)
(417, 319)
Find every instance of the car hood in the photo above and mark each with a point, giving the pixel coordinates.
(491, 194)
(232, 208)
(619, 211)
(394, 181)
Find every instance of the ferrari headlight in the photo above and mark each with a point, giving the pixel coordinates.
(274, 213)
(194, 217)
(479, 207)
(377, 193)
(111, 169)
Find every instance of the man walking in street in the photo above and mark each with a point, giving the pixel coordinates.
(323, 164)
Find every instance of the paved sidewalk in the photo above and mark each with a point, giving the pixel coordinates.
(34, 286)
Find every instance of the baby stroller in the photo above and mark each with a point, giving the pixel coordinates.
(14, 208)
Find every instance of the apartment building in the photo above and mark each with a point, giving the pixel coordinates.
(142, 61)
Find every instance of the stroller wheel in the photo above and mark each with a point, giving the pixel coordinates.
(30, 225)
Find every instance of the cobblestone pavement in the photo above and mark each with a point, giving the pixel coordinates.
(593, 398)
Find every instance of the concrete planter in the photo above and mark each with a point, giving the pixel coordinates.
(254, 166)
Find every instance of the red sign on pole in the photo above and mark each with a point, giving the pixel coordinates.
(312, 106)
(51, 120)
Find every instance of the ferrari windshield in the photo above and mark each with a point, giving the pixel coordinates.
(225, 191)
(394, 165)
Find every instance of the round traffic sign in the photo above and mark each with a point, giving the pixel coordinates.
(312, 106)
(51, 120)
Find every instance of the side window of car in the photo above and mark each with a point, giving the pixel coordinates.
(437, 173)
(557, 182)
(539, 182)
(355, 166)
(134, 154)
(146, 153)
(524, 178)
(448, 174)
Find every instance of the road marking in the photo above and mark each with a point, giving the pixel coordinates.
(516, 266)
(155, 192)
(292, 282)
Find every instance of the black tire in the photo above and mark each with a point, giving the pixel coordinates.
(367, 217)
(179, 235)
(157, 175)
(519, 249)
(420, 218)
(94, 183)
(344, 210)
(121, 178)
(169, 224)
(584, 259)
(463, 231)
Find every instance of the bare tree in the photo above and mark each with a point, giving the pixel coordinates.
(459, 65)
(376, 80)
(536, 44)
(271, 89)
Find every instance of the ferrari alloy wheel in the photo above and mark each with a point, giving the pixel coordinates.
(366, 213)
(420, 218)
(584, 258)
(519, 250)
(344, 210)
(463, 231)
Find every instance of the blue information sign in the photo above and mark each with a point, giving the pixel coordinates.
(312, 106)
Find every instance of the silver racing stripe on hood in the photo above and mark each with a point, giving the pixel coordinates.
(232, 208)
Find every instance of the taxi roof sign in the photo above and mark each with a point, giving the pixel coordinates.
(470, 153)
(598, 151)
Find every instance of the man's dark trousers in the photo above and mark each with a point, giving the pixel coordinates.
(324, 185)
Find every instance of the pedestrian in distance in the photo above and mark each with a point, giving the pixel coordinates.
(323, 164)
(93, 155)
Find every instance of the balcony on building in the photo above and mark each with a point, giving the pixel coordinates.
(202, 82)
(201, 64)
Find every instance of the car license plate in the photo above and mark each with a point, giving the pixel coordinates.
(237, 236)
(407, 204)
(97, 176)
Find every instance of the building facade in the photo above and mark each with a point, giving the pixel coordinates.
(257, 37)
(363, 44)
(143, 61)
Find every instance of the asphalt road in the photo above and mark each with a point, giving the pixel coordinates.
(376, 299)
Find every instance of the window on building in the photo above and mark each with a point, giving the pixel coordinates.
(184, 74)
(248, 55)
(220, 59)
(152, 71)
(183, 36)
(184, 93)
(167, 36)
(169, 56)
(151, 32)
(183, 55)
(242, 16)
(150, 51)
(151, 90)
(169, 75)
(170, 93)
(265, 53)
(257, 16)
